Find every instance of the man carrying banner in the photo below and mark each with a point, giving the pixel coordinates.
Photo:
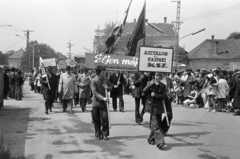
(67, 88)
(99, 103)
(49, 94)
(117, 80)
(157, 93)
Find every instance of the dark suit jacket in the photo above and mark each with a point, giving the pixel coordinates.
(141, 82)
(53, 82)
(98, 91)
(116, 92)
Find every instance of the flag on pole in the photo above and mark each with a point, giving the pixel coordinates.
(137, 34)
(115, 35)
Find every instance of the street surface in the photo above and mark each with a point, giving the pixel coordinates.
(194, 133)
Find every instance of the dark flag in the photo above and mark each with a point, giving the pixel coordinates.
(137, 34)
(115, 35)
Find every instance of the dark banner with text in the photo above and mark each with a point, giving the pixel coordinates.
(111, 62)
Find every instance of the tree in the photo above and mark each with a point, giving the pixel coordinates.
(234, 35)
(3, 59)
(40, 50)
(101, 36)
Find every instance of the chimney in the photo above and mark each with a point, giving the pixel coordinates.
(134, 20)
(212, 37)
(146, 20)
(165, 19)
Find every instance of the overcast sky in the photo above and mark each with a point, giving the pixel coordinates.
(55, 22)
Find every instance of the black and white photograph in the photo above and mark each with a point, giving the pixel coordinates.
(119, 79)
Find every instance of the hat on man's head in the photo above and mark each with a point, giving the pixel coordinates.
(50, 68)
(6, 68)
(100, 68)
(12, 69)
(68, 68)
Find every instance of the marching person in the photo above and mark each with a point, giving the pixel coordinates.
(168, 102)
(18, 85)
(67, 88)
(139, 83)
(99, 103)
(49, 94)
(83, 82)
(12, 83)
(157, 93)
(6, 82)
(117, 79)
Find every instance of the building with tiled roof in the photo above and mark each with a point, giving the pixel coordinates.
(153, 37)
(15, 59)
(213, 53)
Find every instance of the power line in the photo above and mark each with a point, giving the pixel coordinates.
(158, 6)
(12, 45)
(213, 13)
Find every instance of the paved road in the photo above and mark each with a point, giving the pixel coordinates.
(195, 133)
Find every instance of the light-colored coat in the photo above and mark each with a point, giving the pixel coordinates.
(84, 88)
(222, 89)
(67, 86)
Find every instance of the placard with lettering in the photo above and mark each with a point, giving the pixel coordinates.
(112, 62)
(153, 59)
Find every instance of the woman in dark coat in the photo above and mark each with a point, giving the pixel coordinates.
(157, 93)
(18, 85)
(236, 99)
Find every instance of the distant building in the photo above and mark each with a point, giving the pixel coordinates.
(153, 37)
(213, 53)
(15, 59)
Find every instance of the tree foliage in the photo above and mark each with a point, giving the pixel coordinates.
(3, 59)
(234, 35)
(38, 50)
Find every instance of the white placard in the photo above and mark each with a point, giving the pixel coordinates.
(49, 62)
(154, 59)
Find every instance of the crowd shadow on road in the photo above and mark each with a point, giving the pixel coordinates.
(206, 154)
(14, 123)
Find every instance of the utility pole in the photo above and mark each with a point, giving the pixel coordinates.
(69, 46)
(27, 50)
(177, 27)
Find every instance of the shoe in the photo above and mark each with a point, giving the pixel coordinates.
(46, 112)
(64, 110)
(115, 110)
(105, 137)
(214, 110)
(71, 111)
(99, 138)
(50, 110)
(139, 123)
(237, 114)
(160, 146)
(152, 143)
(208, 110)
(83, 110)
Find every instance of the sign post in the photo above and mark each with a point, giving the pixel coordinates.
(153, 59)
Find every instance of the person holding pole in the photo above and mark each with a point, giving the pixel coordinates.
(117, 80)
(157, 93)
(100, 110)
(50, 85)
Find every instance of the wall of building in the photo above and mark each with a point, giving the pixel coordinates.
(209, 64)
(14, 63)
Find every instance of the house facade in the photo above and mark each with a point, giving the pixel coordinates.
(15, 59)
(213, 53)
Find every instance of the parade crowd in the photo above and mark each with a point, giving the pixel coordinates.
(216, 90)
